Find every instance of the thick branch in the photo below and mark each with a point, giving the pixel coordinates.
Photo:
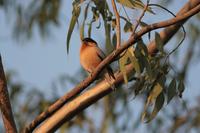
(90, 96)
(72, 108)
(5, 106)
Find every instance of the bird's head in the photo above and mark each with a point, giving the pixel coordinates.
(89, 42)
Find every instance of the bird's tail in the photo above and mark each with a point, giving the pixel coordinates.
(110, 77)
(110, 72)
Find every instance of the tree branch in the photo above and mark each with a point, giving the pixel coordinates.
(92, 95)
(69, 110)
(141, 16)
(118, 30)
(5, 105)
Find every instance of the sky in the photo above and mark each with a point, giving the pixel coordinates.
(38, 61)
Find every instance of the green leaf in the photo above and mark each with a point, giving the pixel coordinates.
(122, 64)
(134, 4)
(181, 88)
(162, 80)
(141, 45)
(128, 56)
(83, 24)
(134, 60)
(109, 46)
(171, 91)
(141, 53)
(152, 98)
(114, 39)
(95, 14)
(143, 24)
(140, 59)
(147, 66)
(157, 107)
(128, 27)
(114, 23)
(90, 29)
(75, 15)
(159, 42)
(82, 31)
(154, 93)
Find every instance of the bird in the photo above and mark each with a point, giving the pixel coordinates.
(91, 56)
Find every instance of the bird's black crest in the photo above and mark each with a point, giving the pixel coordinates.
(89, 40)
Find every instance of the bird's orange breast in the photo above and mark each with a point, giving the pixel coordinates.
(89, 58)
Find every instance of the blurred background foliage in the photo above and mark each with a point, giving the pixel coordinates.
(120, 111)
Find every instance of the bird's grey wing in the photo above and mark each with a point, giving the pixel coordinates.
(101, 55)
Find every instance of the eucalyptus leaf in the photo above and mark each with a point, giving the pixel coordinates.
(157, 107)
(152, 98)
(181, 88)
(141, 45)
(128, 27)
(122, 64)
(75, 15)
(134, 60)
(134, 4)
(157, 89)
(143, 24)
(171, 91)
(159, 42)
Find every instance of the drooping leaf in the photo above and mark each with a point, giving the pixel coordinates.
(162, 80)
(156, 91)
(128, 27)
(122, 64)
(128, 56)
(134, 60)
(109, 46)
(82, 29)
(157, 107)
(114, 39)
(134, 4)
(90, 29)
(95, 14)
(141, 53)
(75, 15)
(171, 91)
(142, 47)
(139, 85)
(114, 23)
(143, 24)
(159, 42)
(147, 66)
(181, 88)
(139, 57)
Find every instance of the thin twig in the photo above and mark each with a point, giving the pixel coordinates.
(141, 16)
(118, 30)
(126, 13)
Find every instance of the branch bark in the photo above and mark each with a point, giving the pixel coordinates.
(5, 105)
(69, 110)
